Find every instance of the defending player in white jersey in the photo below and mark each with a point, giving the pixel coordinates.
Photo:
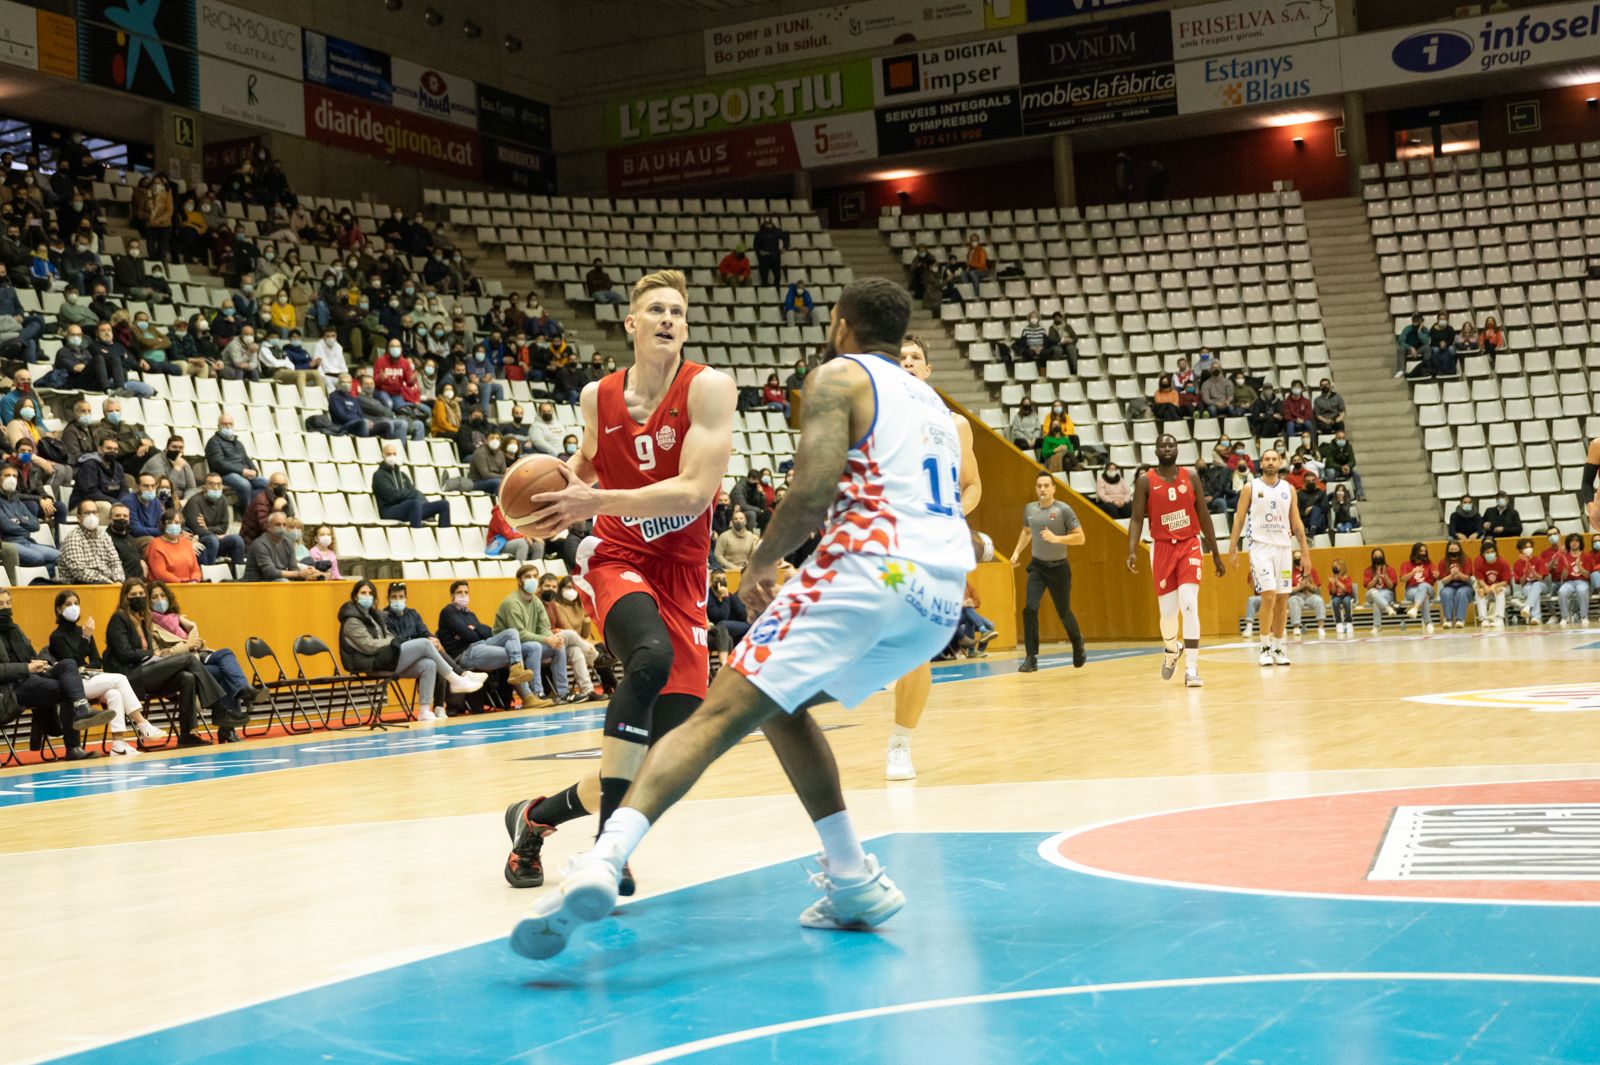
(877, 463)
(1268, 502)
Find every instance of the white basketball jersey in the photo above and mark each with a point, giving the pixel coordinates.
(899, 494)
(1269, 513)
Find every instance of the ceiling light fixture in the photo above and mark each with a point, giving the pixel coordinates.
(471, 30)
(513, 44)
(432, 17)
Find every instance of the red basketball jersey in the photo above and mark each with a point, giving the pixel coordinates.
(1172, 508)
(629, 455)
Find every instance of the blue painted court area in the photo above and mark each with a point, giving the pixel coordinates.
(108, 776)
(998, 956)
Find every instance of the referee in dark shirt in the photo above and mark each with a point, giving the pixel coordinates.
(1053, 527)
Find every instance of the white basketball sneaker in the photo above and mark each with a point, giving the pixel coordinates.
(1280, 657)
(1266, 656)
(899, 765)
(1191, 679)
(1169, 661)
(587, 893)
(864, 900)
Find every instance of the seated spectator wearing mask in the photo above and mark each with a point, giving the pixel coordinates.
(1165, 404)
(523, 612)
(488, 465)
(73, 639)
(1306, 591)
(87, 553)
(1380, 582)
(54, 690)
(1491, 580)
(1297, 417)
(1527, 576)
(144, 511)
(174, 555)
(544, 436)
(124, 542)
(1216, 395)
(169, 628)
(1113, 493)
(1455, 585)
(272, 499)
(398, 498)
(1502, 519)
(475, 646)
(1026, 430)
(272, 556)
(569, 621)
(504, 541)
(370, 642)
(206, 517)
(19, 520)
(1059, 434)
(1465, 524)
(726, 618)
(21, 410)
(1342, 597)
(1417, 577)
(1572, 581)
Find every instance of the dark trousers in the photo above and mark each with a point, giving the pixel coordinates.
(181, 676)
(229, 548)
(724, 634)
(416, 510)
(1055, 578)
(57, 687)
(770, 268)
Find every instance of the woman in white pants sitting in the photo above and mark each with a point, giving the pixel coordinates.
(73, 637)
(569, 621)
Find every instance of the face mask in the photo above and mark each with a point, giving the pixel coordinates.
(364, 602)
(136, 604)
(397, 605)
(494, 445)
(227, 434)
(8, 484)
(391, 460)
(548, 594)
(569, 594)
(74, 342)
(1554, 538)
(294, 535)
(24, 457)
(71, 612)
(120, 525)
(158, 606)
(147, 497)
(1466, 508)
(572, 449)
(90, 522)
(173, 530)
(1296, 391)
(460, 601)
(1490, 556)
(5, 616)
(530, 585)
(767, 481)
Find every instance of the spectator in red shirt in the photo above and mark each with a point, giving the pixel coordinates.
(1591, 562)
(504, 541)
(1342, 594)
(1528, 573)
(1380, 582)
(1296, 410)
(774, 396)
(1306, 585)
(1491, 579)
(1454, 573)
(395, 377)
(1416, 574)
(734, 269)
(1547, 556)
(1572, 581)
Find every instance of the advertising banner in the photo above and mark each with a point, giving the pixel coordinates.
(841, 139)
(347, 67)
(253, 97)
(1236, 25)
(754, 101)
(949, 123)
(829, 31)
(132, 61)
(1506, 40)
(1048, 10)
(1270, 77)
(425, 91)
(1125, 96)
(388, 133)
(738, 153)
(515, 118)
(1092, 47)
(517, 166)
(19, 35)
(246, 37)
(58, 45)
(948, 70)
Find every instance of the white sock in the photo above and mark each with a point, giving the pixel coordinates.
(839, 844)
(902, 735)
(624, 829)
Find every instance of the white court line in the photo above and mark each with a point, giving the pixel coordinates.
(715, 1042)
(1050, 851)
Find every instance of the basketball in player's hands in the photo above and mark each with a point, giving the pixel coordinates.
(530, 476)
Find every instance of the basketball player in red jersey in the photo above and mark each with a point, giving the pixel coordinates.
(656, 441)
(1179, 515)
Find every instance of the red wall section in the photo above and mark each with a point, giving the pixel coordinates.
(1244, 161)
(1564, 117)
(1024, 183)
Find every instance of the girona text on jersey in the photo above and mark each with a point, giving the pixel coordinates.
(655, 528)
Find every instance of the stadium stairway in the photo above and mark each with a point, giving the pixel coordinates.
(1400, 503)
(866, 252)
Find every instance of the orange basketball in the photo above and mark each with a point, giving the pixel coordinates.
(528, 478)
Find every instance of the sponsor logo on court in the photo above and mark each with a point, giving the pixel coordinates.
(1542, 698)
(1491, 841)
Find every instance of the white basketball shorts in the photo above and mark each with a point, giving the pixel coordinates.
(1272, 566)
(849, 625)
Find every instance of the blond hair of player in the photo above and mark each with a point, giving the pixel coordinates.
(911, 691)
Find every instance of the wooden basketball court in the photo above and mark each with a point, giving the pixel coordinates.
(338, 897)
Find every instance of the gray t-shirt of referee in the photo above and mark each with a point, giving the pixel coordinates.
(1058, 518)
